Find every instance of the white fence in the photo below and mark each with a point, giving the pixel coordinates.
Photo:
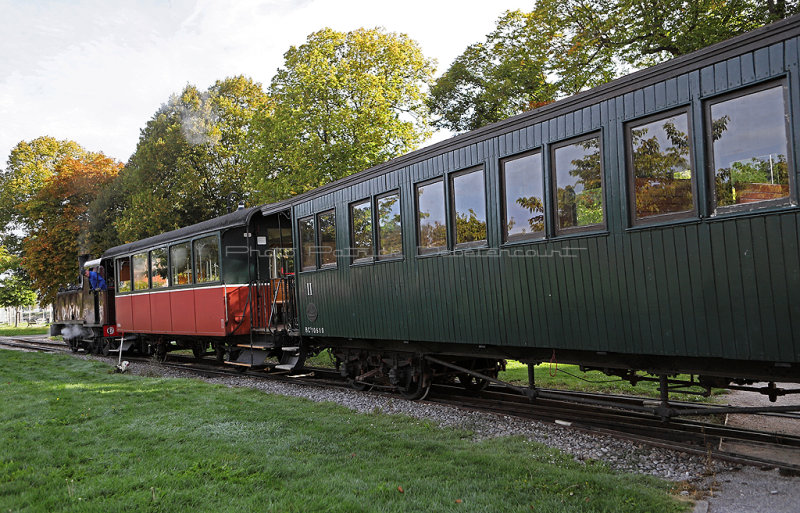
(27, 315)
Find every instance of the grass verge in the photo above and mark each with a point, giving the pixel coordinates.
(10, 331)
(76, 437)
(570, 377)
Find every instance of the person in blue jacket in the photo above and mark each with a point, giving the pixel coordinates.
(96, 282)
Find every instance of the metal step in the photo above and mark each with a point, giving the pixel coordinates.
(290, 349)
(257, 345)
(125, 346)
(284, 366)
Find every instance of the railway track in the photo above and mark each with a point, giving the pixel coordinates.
(710, 439)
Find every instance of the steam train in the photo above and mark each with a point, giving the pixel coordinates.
(649, 224)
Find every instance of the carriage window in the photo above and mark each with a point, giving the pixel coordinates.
(326, 224)
(750, 150)
(181, 264)
(124, 275)
(141, 280)
(361, 231)
(661, 167)
(159, 276)
(469, 208)
(432, 226)
(578, 185)
(390, 233)
(523, 189)
(308, 252)
(206, 259)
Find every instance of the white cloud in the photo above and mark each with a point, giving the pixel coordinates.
(95, 71)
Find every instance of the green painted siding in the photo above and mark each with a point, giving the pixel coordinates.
(712, 286)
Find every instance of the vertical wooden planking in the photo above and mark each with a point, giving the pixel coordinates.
(649, 99)
(652, 263)
(661, 95)
(722, 288)
(671, 291)
(638, 103)
(791, 256)
(734, 70)
(684, 292)
(738, 297)
(637, 300)
(707, 84)
(781, 314)
(671, 91)
(761, 60)
(748, 68)
(776, 59)
(720, 77)
(766, 298)
(684, 92)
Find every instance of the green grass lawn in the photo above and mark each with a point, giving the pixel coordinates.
(76, 437)
(570, 377)
(8, 331)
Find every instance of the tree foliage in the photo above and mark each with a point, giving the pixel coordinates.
(189, 159)
(565, 46)
(342, 102)
(29, 166)
(58, 217)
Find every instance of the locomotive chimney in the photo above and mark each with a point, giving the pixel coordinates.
(82, 259)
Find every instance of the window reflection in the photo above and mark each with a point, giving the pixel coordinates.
(327, 238)
(206, 259)
(361, 228)
(750, 148)
(181, 264)
(159, 275)
(140, 278)
(524, 193)
(469, 206)
(431, 217)
(308, 254)
(578, 177)
(662, 169)
(123, 275)
(390, 240)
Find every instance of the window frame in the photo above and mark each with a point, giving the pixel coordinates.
(173, 282)
(219, 259)
(530, 237)
(635, 220)
(453, 227)
(589, 228)
(377, 229)
(437, 250)
(318, 235)
(373, 244)
(117, 289)
(708, 138)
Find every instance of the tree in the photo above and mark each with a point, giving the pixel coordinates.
(15, 290)
(29, 166)
(565, 46)
(343, 102)
(501, 77)
(57, 215)
(189, 159)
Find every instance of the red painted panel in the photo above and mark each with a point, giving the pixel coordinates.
(141, 312)
(161, 312)
(182, 309)
(124, 307)
(209, 305)
(237, 301)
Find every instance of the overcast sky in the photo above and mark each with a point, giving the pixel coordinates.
(94, 71)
